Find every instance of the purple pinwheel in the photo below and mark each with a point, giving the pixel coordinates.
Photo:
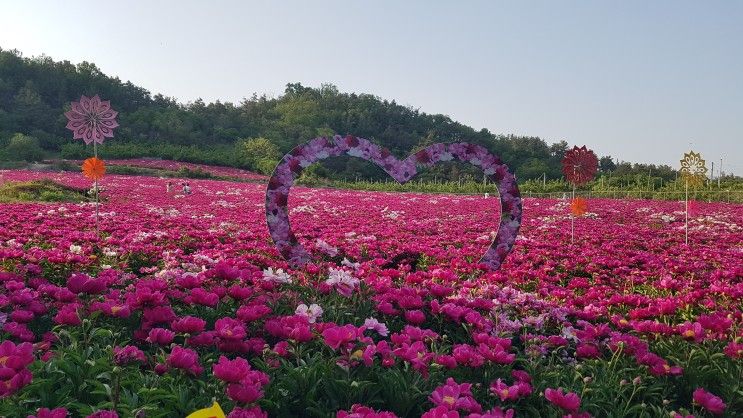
(92, 119)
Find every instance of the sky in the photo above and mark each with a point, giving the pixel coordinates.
(642, 81)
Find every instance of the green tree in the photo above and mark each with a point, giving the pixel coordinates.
(258, 154)
(606, 164)
(23, 148)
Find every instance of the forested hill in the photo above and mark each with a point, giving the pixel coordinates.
(35, 92)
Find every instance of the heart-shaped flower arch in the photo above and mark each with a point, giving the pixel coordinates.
(290, 167)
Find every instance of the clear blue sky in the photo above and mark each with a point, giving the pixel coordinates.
(642, 81)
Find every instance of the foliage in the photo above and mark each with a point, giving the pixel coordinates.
(40, 191)
(23, 148)
(34, 93)
(258, 154)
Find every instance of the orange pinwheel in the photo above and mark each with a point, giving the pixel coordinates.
(94, 169)
(578, 206)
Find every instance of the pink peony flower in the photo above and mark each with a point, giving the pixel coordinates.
(338, 336)
(312, 312)
(375, 325)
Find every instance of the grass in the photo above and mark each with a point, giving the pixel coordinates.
(40, 191)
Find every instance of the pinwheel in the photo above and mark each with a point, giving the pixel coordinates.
(94, 169)
(578, 206)
(579, 165)
(92, 120)
(694, 172)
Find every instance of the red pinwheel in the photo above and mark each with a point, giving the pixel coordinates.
(92, 119)
(580, 165)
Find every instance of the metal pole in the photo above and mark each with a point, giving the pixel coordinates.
(95, 187)
(686, 207)
(572, 220)
(720, 176)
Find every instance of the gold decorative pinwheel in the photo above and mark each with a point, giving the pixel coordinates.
(693, 169)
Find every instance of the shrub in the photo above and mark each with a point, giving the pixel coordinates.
(23, 148)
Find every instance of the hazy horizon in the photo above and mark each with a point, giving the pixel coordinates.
(640, 82)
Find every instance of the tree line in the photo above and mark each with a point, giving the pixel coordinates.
(35, 92)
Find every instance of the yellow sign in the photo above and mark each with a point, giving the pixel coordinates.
(693, 169)
(214, 411)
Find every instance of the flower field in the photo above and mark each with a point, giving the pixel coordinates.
(183, 300)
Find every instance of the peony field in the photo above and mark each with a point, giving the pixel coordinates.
(181, 300)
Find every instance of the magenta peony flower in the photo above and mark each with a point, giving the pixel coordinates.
(128, 354)
(104, 414)
(440, 412)
(91, 119)
(253, 412)
(50, 413)
(244, 393)
(229, 329)
(570, 401)
(708, 401)
(188, 325)
(455, 396)
(734, 350)
(231, 371)
(184, 359)
(160, 336)
(361, 411)
(68, 315)
(587, 350)
(415, 317)
(82, 283)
